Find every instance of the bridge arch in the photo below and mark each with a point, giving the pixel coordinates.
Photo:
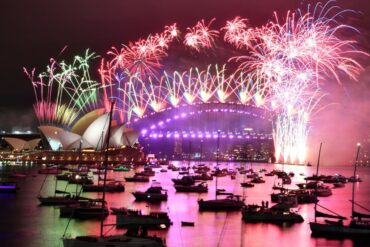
(193, 125)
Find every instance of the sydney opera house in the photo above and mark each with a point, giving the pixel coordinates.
(84, 142)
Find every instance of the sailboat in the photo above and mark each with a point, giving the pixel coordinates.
(230, 203)
(358, 226)
(60, 197)
(135, 237)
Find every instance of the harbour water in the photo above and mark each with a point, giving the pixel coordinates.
(24, 223)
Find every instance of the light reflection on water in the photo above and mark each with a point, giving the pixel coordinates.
(24, 223)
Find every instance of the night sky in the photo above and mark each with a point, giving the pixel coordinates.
(32, 31)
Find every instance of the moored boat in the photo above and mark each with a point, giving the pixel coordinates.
(199, 188)
(114, 186)
(230, 203)
(137, 178)
(185, 180)
(278, 213)
(129, 218)
(247, 185)
(152, 194)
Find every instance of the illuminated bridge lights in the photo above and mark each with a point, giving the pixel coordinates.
(206, 134)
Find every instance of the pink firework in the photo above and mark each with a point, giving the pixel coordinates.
(236, 32)
(200, 36)
(144, 56)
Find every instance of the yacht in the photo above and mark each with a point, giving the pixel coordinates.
(199, 188)
(230, 203)
(128, 218)
(113, 186)
(279, 213)
(137, 178)
(152, 194)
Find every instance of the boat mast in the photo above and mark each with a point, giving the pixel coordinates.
(217, 158)
(317, 176)
(354, 177)
(201, 152)
(105, 169)
(189, 155)
(56, 184)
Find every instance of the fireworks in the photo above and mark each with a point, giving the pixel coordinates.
(281, 67)
(63, 82)
(200, 36)
(236, 32)
(293, 59)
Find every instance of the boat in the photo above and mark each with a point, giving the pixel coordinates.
(230, 203)
(148, 171)
(359, 225)
(322, 191)
(85, 209)
(187, 223)
(257, 180)
(199, 188)
(137, 178)
(317, 188)
(279, 213)
(247, 185)
(338, 185)
(252, 175)
(129, 218)
(152, 194)
(80, 179)
(219, 173)
(64, 177)
(305, 196)
(204, 177)
(185, 180)
(308, 185)
(60, 197)
(114, 186)
(121, 168)
(8, 187)
(354, 179)
(136, 237)
(270, 174)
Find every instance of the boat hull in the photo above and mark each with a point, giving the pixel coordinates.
(338, 230)
(141, 220)
(140, 196)
(52, 201)
(116, 241)
(100, 188)
(271, 217)
(220, 205)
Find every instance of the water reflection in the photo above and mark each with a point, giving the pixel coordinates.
(24, 223)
